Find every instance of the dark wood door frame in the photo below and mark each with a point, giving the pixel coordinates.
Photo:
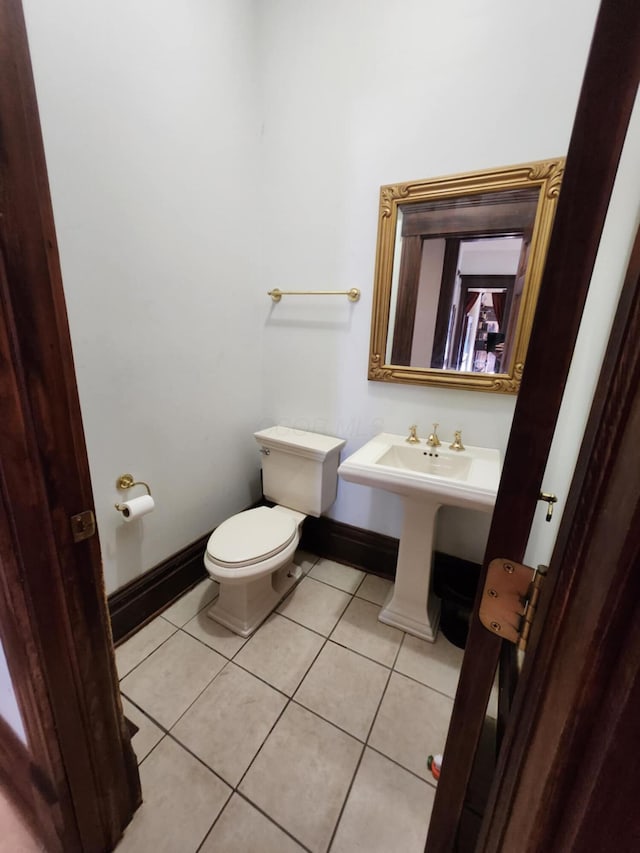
(407, 300)
(568, 772)
(604, 108)
(445, 302)
(54, 622)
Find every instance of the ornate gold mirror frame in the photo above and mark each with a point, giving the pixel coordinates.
(451, 210)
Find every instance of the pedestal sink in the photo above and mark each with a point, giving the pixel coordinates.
(426, 478)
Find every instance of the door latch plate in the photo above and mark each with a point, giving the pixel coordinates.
(550, 500)
(83, 525)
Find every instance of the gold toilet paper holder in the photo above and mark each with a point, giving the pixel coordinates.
(128, 481)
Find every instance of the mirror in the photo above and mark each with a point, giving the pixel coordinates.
(458, 268)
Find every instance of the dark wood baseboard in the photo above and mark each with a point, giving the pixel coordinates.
(145, 596)
(151, 592)
(376, 553)
(454, 580)
(354, 546)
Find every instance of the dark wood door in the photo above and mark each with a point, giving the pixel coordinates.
(54, 623)
(569, 770)
(605, 104)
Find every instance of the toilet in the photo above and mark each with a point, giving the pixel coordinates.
(251, 554)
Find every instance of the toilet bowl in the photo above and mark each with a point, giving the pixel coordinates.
(251, 554)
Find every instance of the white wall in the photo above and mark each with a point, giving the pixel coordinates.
(151, 129)
(621, 225)
(497, 256)
(9, 710)
(202, 152)
(361, 94)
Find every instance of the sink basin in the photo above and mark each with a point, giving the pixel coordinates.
(466, 478)
(436, 463)
(426, 478)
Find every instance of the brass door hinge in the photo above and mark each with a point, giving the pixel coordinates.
(83, 525)
(510, 599)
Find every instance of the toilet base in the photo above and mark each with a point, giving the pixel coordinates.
(243, 607)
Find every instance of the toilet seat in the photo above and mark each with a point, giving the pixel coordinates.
(251, 537)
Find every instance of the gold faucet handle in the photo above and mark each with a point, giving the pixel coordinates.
(433, 440)
(412, 438)
(457, 441)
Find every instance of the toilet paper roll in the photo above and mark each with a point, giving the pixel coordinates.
(137, 507)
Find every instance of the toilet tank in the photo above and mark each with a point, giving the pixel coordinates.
(299, 469)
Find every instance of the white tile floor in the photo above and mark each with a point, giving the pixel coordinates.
(311, 735)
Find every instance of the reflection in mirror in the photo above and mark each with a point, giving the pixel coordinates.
(457, 273)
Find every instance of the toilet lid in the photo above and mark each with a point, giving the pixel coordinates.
(251, 536)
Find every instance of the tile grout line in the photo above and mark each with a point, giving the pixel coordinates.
(275, 822)
(346, 798)
(215, 595)
(319, 633)
(360, 654)
(216, 819)
(208, 684)
(260, 748)
(325, 639)
(211, 648)
(325, 720)
(176, 628)
(168, 733)
(153, 748)
(401, 766)
(147, 656)
(233, 789)
(289, 700)
(206, 687)
(281, 692)
(146, 714)
(300, 625)
(353, 594)
(333, 586)
(245, 797)
(384, 693)
(199, 760)
(364, 747)
(260, 679)
(422, 684)
(227, 661)
(391, 670)
(362, 751)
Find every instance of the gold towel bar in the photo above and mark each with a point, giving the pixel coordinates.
(352, 295)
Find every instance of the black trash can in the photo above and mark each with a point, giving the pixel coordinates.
(455, 582)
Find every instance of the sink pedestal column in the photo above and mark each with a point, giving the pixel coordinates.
(411, 607)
